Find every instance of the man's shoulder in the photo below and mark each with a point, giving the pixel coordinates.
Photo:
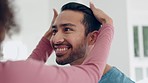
(114, 75)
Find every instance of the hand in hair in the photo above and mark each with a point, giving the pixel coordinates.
(48, 34)
(100, 15)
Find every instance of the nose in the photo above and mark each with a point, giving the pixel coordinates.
(58, 38)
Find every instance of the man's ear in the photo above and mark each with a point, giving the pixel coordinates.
(92, 37)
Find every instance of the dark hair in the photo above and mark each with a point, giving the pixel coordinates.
(7, 16)
(89, 20)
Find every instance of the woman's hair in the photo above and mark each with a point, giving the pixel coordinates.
(7, 16)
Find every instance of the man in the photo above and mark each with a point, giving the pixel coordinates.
(71, 41)
(75, 56)
(76, 53)
(33, 71)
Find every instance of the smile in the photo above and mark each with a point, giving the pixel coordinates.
(61, 50)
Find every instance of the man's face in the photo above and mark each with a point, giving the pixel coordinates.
(69, 41)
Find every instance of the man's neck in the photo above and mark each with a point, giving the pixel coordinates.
(107, 68)
(78, 62)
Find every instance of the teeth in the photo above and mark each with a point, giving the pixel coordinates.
(61, 49)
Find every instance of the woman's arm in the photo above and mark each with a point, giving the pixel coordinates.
(44, 49)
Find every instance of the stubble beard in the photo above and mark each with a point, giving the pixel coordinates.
(76, 54)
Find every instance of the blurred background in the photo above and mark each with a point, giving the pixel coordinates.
(129, 51)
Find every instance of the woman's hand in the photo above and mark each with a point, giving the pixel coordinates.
(48, 34)
(100, 15)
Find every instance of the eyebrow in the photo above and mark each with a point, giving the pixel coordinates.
(64, 25)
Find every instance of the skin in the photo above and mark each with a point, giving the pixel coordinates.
(69, 40)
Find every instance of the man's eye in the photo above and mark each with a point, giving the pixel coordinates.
(54, 31)
(67, 29)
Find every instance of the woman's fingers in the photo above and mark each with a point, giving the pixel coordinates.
(55, 15)
(100, 15)
(48, 34)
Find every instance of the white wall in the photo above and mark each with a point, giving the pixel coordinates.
(35, 17)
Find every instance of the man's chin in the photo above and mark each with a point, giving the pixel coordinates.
(61, 62)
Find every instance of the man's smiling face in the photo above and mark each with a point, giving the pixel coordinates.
(68, 40)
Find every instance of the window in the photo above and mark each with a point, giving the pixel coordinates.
(140, 52)
(145, 40)
(139, 74)
(136, 43)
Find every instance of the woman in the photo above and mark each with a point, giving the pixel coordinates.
(33, 71)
